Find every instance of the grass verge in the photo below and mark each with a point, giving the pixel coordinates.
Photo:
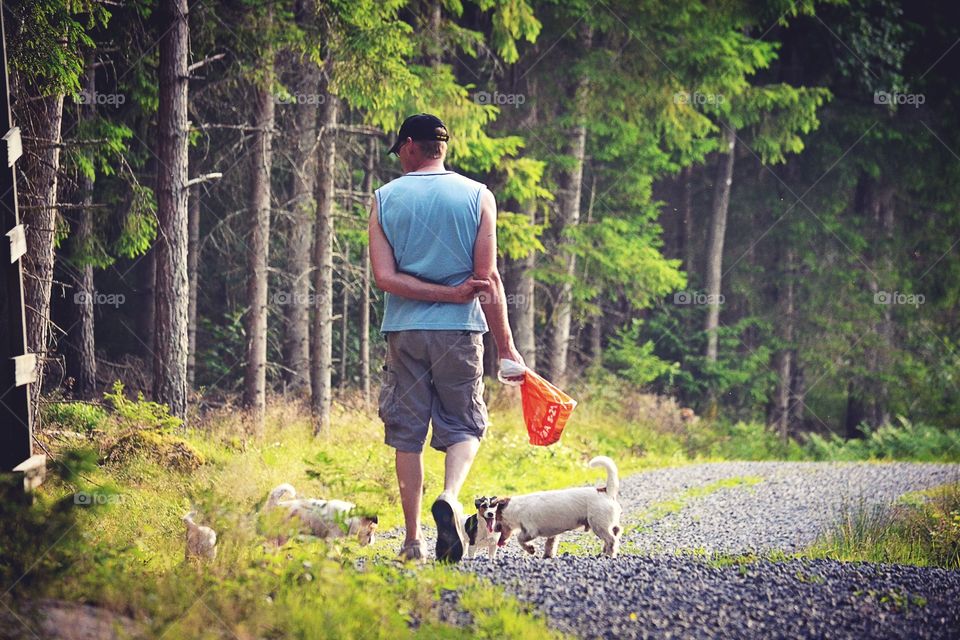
(922, 528)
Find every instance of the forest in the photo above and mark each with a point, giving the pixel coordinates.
(730, 205)
(729, 229)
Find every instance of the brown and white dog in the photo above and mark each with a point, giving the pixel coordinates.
(482, 529)
(547, 514)
(322, 518)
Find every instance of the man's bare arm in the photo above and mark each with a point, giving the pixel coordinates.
(493, 299)
(389, 279)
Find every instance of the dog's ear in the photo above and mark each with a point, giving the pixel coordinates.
(478, 502)
(502, 503)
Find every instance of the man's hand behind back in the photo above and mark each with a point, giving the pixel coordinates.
(469, 289)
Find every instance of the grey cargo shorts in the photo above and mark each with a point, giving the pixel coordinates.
(433, 376)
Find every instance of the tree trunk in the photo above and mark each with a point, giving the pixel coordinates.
(798, 394)
(193, 265)
(568, 202)
(785, 378)
(881, 214)
(369, 184)
(365, 327)
(687, 250)
(300, 236)
(718, 228)
(323, 265)
(171, 339)
(520, 288)
(344, 317)
(81, 363)
(39, 168)
(258, 244)
(519, 281)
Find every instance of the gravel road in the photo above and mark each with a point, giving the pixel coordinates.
(739, 507)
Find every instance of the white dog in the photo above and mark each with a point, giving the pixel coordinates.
(201, 541)
(547, 514)
(481, 527)
(323, 518)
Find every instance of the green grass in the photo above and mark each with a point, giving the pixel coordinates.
(659, 510)
(922, 529)
(125, 551)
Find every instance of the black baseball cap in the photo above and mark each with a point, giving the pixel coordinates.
(422, 126)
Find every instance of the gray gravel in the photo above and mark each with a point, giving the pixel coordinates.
(651, 592)
(672, 597)
(793, 503)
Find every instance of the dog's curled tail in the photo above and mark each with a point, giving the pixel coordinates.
(613, 480)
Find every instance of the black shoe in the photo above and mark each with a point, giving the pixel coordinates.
(449, 542)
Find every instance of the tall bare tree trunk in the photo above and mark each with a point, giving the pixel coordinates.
(687, 250)
(568, 201)
(323, 264)
(520, 289)
(193, 266)
(82, 361)
(369, 185)
(365, 327)
(171, 339)
(300, 235)
(40, 166)
(718, 230)
(258, 244)
(880, 211)
(781, 414)
(344, 317)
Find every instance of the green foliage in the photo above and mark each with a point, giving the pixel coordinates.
(48, 40)
(41, 537)
(624, 259)
(140, 413)
(139, 227)
(634, 360)
(903, 441)
(74, 416)
(512, 20)
(517, 236)
(741, 441)
(921, 529)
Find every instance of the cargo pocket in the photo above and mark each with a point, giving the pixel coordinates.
(478, 408)
(388, 394)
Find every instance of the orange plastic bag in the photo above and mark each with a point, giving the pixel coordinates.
(546, 409)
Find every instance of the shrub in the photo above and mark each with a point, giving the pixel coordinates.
(140, 412)
(906, 441)
(922, 529)
(74, 416)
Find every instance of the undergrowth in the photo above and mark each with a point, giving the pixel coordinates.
(922, 528)
(106, 526)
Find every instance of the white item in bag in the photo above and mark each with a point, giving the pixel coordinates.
(511, 372)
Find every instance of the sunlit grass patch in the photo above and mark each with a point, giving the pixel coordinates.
(659, 510)
(922, 528)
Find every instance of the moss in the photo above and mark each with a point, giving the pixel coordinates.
(167, 450)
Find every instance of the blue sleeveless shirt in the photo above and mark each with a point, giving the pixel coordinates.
(431, 221)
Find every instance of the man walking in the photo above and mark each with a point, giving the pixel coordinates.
(433, 247)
